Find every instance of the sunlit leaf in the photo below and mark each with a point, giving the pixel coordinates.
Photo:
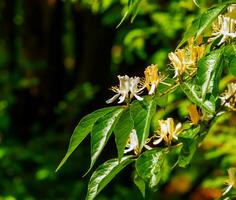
(149, 166)
(132, 10)
(142, 113)
(82, 130)
(122, 131)
(104, 174)
(101, 132)
(200, 24)
(209, 73)
(192, 92)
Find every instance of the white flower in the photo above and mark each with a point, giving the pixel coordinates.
(134, 88)
(231, 182)
(167, 131)
(132, 143)
(228, 98)
(224, 27)
(128, 88)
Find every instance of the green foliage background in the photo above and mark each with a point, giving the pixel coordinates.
(57, 60)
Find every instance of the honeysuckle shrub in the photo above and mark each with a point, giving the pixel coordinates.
(205, 55)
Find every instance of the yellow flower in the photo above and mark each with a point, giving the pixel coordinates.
(231, 182)
(167, 131)
(186, 59)
(152, 78)
(194, 114)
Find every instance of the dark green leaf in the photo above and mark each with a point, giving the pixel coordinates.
(82, 130)
(101, 132)
(149, 166)
(230, 58)
(140, 183)
(162, 101)
(200, 24)
(122, 131)
(104, 174)
(142, 113)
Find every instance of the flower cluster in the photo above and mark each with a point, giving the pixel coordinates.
(228, 98)
(184, 60)
(224, 27)
(130, 87)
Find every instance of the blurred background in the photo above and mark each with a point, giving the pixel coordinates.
(57, 61)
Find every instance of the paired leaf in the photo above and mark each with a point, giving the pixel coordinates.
(101, 132)
(122, 131)
(104, 174)
(149, 166)
(82, 130)
(200, 24)
(142, 113)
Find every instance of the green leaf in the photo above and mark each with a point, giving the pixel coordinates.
(140, 183)
(82, 130)
(104, 174)
(122, 131)
(190, 143)
(142, 113)
(191, 91)
(209, 73)
(200, 24)
(230, 58)
(162, 101)
(101, 132)
(132, 9)
(149, 166)
(232, 66)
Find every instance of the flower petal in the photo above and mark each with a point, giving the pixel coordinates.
(112, 99)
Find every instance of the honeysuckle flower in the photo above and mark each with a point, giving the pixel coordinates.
(152, 78)
(231, 8)
(231, 182)
(224, 27)
(177, 60)
(135, 88)
(132, 143)
(228, 98)
(128, 87)
(167, 131)
(194, 114)
(184, 60)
